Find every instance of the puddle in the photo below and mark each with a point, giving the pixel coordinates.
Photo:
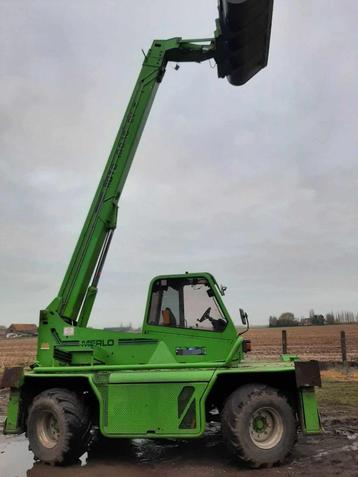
(206, 457)
(15, 458)
(134, 458)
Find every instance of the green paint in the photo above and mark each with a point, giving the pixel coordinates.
(151, 409)
(101, 220)
(13, 421)
(310, 417)
(289, 357)
(259, 424)
(154, 383)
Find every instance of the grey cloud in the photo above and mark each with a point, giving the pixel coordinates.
(256, 184)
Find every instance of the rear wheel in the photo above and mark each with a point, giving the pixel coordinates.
(58, 427)
(258, 425)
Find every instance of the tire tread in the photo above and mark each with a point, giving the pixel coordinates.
(77, 422)
(233, 411)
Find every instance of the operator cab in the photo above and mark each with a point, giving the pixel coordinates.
(186, 303)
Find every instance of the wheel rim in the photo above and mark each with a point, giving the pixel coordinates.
(48, 430)
(266, 428)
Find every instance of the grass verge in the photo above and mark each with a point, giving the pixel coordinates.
(338, 388)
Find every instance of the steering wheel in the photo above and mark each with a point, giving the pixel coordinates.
(205, 315)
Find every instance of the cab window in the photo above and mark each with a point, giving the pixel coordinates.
(185, 303)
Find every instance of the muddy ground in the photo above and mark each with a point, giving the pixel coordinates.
(333, 453)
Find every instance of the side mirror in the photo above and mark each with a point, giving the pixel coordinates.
(243, 316)
(222, 290)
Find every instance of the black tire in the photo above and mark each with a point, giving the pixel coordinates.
(58, 427)
(258, 425)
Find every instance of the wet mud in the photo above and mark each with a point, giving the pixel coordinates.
(333, 453)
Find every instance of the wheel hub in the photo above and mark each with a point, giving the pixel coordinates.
(260, 424)
(48, 429)
(266, 428)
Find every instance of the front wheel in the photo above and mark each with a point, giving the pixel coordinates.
(58, 427)
(258, 425)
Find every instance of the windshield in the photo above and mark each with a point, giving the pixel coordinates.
(185, 303)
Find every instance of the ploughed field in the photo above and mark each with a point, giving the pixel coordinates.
(17, 352)
(308, 342)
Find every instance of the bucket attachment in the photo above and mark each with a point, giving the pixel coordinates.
(242, 38)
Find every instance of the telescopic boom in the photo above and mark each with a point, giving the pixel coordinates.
(240, 49)
(79, 287)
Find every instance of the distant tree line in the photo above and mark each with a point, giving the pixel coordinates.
(288, 319)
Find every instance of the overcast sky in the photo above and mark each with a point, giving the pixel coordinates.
(256, 184)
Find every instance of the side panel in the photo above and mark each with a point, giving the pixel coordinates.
(154, 409)
(153, 403)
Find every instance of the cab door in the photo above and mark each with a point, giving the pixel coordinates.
(186, 312)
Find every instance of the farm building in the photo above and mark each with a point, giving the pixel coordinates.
(2, 332)
(16, 330)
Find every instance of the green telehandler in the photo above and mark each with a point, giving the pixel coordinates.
(187, 364)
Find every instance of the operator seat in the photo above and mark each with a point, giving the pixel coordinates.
(168, 317)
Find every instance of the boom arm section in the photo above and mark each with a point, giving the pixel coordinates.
(77, 295)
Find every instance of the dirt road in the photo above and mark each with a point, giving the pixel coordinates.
(333, 453)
